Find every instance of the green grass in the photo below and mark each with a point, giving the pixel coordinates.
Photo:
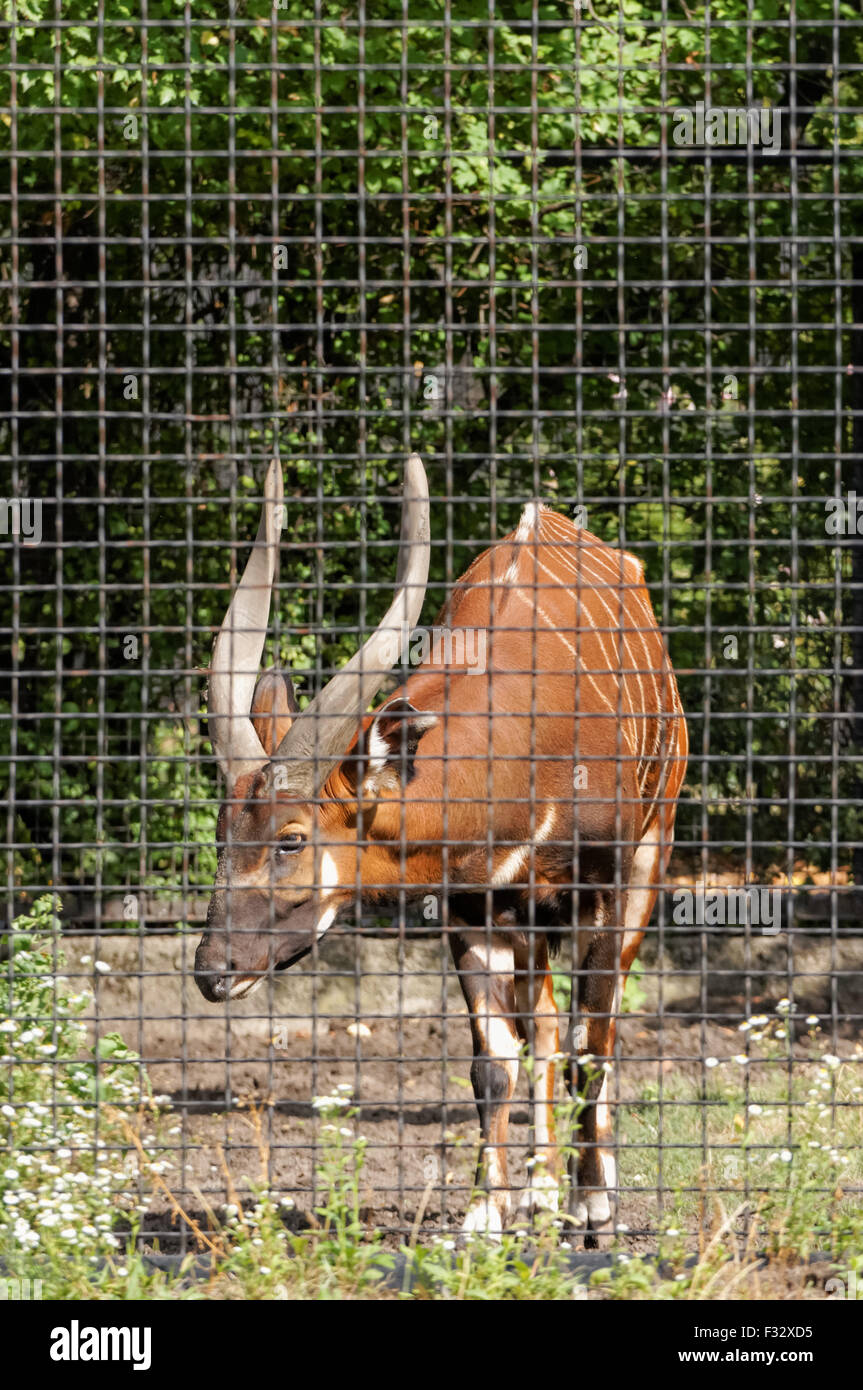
(781, 1142)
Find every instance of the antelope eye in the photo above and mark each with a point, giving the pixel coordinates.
(291, 844)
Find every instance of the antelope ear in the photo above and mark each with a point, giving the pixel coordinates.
(391, 744)
(273, 709)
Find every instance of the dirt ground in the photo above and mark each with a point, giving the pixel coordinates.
(407, 1063)
(415, 1113)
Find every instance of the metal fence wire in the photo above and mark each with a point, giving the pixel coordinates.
(604, 259)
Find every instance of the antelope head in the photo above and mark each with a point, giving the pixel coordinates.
(287, 831)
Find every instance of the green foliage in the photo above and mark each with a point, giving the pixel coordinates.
(634, 994)
(65, 1178)
(164, 480)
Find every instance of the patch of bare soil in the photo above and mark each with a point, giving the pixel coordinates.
(399, 1038)
(415, 1112)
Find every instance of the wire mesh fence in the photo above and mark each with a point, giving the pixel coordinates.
(604, 259)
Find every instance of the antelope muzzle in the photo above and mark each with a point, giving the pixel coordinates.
(246, 940)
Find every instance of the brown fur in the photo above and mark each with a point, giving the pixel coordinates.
(577, 678)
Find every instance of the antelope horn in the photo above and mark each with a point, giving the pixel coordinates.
(318, 738)
(239, 645)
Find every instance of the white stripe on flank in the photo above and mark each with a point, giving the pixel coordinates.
(517, 858)
(615, 577)
(604, 557)
(541, 613)
(611, 569)
(613, 666)
(631, 590)
(619, 589)
(670, 752)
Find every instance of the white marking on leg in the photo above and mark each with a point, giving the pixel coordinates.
(602, 1111)
(541, 1194)
(489, 957)
(598, 1208)
(501, 1044)
(483, 1218)
(642, 885)
(598, 1203)
(580, 1213)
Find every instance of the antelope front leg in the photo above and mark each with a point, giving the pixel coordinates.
(538, 1025)
(485, 967)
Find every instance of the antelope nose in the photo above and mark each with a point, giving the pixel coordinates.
(210, 974)
(212, 984)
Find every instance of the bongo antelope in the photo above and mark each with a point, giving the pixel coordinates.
(536, 796)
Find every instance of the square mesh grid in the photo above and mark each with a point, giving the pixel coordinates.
(500, 237)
